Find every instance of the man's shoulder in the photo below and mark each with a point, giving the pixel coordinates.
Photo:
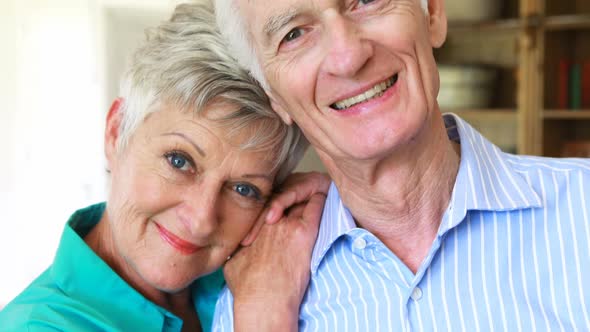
(562, 184)
(223, 317)
(548, 165)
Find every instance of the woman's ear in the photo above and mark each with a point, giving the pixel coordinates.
(111, 134)
(437, 21)
(279, 109)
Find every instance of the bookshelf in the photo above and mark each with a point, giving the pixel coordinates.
(566, 55)
(541, 51)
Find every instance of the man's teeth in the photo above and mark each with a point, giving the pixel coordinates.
(374, 92)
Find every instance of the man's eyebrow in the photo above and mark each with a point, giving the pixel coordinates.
(277, 22)
(199, 150)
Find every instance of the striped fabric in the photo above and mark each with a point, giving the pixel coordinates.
(512, 254)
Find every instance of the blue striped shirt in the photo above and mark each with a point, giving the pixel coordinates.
(512, 253)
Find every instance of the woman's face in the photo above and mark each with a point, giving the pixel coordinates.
(183, 195)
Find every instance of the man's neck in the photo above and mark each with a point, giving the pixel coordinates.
(402, 198)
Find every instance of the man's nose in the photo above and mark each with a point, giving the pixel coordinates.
(347, 52)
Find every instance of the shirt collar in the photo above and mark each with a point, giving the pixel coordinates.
(336, 221)
(485, 181)
(82, 275)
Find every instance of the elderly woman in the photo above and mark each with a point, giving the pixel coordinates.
(194, 153)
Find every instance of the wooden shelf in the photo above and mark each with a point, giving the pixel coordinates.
(567, 22)
(550, 23)
(527, 48)
(503, 24)
(492, 114)
(567, 114)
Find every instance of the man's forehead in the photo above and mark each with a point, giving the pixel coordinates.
(263, 8)
(268, 16)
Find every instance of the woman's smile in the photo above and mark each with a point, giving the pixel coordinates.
(183, 246)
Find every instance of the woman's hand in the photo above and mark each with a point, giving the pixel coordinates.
(268, 279)
(297, 188)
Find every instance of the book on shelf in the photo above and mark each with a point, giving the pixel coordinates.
(563, 84)
(586, 85)
(573, 85)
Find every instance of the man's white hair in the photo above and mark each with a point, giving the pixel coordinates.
(234, 30)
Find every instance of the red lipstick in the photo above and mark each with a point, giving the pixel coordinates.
(177, 243)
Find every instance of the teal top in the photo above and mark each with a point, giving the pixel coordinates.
(80, 292)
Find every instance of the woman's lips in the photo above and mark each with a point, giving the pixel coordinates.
(177, 243)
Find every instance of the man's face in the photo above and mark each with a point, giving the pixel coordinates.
(358, 77)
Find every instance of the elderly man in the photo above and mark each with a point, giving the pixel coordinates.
(428, 225)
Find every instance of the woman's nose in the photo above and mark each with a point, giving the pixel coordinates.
(347, 52)
(199, 211)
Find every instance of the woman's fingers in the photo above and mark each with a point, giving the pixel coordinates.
(313, 210)
(251, 236)
(309, 210)
(298, 188)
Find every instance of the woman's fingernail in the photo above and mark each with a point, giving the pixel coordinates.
(270, 216)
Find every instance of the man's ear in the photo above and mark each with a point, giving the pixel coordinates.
(279, 109)
(111, 133)
(437, 21)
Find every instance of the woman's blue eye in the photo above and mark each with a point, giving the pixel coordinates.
(246, 190)
(364, 2)
(178, 161)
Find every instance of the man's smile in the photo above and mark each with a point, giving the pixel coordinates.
(374, 92)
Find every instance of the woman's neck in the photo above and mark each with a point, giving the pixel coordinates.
(100, 240)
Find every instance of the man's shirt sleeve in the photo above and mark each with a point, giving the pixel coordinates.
(223, 320)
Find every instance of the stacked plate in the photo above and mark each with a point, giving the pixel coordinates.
(465, 87)
(472, 10)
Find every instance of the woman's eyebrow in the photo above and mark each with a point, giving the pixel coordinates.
(191, 142)
(263, 176)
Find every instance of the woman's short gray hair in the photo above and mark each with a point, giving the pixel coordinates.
(185, 63)
(234, 30)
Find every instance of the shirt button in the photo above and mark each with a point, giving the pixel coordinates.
(359, 243)
(416, 294)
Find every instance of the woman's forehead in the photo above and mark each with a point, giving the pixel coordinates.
(213, 129)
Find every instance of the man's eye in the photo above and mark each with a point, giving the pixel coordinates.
(246, 191)
(364, 2)
(179, 161)
(293, 34)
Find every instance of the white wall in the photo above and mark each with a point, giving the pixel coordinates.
(60, 63)
(50, 129)
(53, 101)
(8, 102)
(8, 56)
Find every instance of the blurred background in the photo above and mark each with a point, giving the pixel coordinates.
(59, 63)
(517, 70)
